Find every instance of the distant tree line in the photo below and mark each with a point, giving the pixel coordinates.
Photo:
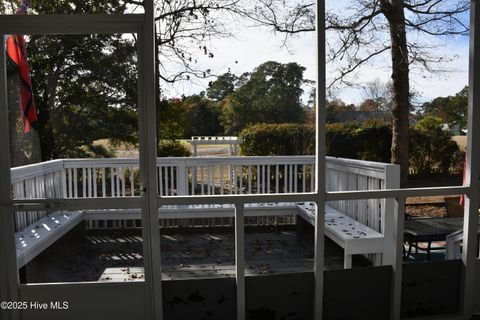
(271, 93)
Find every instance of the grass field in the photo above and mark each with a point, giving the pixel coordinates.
(131, 151)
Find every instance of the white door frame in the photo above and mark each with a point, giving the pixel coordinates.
(143, 26)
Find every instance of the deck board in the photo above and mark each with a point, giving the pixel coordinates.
(203, 254)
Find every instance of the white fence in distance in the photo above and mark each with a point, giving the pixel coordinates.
(232, 142)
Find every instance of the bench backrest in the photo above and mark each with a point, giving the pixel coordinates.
(40, 180)
(347, 174)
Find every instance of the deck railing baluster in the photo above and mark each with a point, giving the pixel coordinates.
(132, 181)
(112, 182)
(165, 176)
(176, 176)
(104, 184)
(222, 178)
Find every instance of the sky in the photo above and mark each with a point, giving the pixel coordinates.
(253, 46)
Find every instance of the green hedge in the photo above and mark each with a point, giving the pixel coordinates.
(172, 148)
(278, 139)
(367, 141)
(431, 152)
(370, 140)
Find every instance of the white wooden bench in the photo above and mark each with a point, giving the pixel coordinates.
(33, 239)
(353, 236)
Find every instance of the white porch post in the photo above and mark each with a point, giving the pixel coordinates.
(396, 243)
(473, 170)
(392, 228)
(240, 259)
(148, 160)
(8, 266)
(320, 163)
(392, 181)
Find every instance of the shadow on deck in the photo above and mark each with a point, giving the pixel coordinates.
(186, 254)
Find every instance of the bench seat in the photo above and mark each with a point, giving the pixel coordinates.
(353, 236)
(33, 239)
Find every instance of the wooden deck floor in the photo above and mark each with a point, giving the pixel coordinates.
(113, 256)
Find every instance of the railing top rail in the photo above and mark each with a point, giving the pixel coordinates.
(367, 168)
(359, 163)
(101, 163)
(362, 167)
(35, 170)
(189, 161)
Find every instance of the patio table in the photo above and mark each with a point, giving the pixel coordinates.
(428, 230)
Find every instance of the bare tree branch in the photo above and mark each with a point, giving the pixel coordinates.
(366, 30)
(359, 33)
(184, 31)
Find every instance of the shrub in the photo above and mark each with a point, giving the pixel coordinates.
(172, 148)
(340, 141)
(278, 139)
(370, 140)
(374, 141)
(432, 151)
(367, 141)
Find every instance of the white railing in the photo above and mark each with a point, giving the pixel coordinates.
(238, 175)
(96, 178)
(93, 178)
